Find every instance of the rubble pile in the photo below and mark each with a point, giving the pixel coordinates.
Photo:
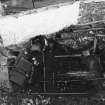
(77, 36)
(48, 100)
(92, 11)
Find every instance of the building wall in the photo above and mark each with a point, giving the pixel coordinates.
(38, 3)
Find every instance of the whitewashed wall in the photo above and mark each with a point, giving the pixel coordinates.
(18, 28)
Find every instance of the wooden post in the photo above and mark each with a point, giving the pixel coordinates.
(33, 2)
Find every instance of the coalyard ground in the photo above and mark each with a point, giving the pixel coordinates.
(61, 100)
